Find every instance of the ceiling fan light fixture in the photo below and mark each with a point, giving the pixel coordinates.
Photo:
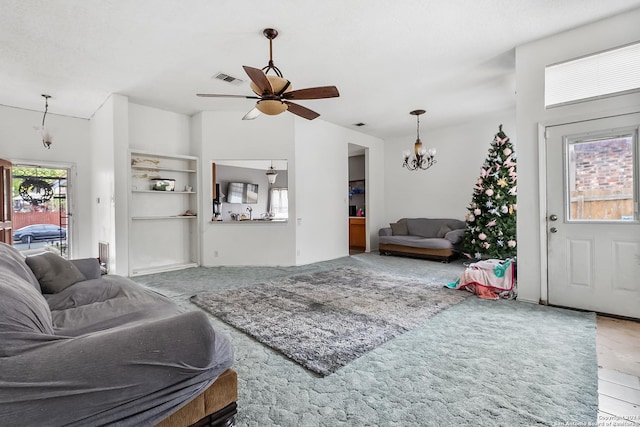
(271, 107)
(275, 93)
(278, 84)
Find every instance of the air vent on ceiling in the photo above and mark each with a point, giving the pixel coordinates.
(229, 79)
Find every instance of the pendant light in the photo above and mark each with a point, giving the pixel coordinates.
(421, 157)
(45, 133)
(272, 174)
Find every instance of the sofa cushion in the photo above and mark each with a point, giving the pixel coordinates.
(399, 229)
(89, 267)
(53, 272)
(424, 227)
(429, 227)
(12, 260)
(444, 229)
(455, 236)
(417, 242)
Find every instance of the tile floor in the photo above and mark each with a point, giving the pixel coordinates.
(618, 348)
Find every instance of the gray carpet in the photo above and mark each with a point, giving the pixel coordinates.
(478, 363)
(326, 319)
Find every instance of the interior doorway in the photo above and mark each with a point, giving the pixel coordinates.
(593, 225)
(357, 201)
(40, 208)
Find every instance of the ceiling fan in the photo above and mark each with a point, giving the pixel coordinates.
(274, 92)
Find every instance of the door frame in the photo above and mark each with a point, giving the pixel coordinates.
(71, 194)
(542, 183)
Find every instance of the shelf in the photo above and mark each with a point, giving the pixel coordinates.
(161, 238)
(158, 169)
(165, 217)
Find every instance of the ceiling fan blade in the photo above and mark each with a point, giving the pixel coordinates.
(301, 111)
(252, 114)
(259, 79)
(215, 95)
(313, 93)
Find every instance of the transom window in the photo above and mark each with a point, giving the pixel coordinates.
(608, 73)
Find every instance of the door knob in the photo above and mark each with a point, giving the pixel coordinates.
(553, 230)
(553, 217)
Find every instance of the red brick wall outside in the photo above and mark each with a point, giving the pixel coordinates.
(603, 180)
(607, 164)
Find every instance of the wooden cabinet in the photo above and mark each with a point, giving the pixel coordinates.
(163, 225)
(357, 233)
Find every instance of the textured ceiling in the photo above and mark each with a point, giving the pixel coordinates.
(453, 58)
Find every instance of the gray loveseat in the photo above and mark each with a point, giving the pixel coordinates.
(435, 238)
(81, 349)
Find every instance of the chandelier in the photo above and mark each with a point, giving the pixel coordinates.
(421, 157)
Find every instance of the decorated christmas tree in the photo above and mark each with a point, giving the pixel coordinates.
(491, 220)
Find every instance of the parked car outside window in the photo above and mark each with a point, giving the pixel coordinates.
(35, 232)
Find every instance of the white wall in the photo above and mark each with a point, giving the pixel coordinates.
(159, 131)
(321, 175)
(445, 189)
(530, 62)
(225, 136)
(71, 147)
(138, 127)
(103, 183)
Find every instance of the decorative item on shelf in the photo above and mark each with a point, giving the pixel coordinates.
(44, 132)
(142, 162)
(421, 158)
(272, 174)
(163, 184)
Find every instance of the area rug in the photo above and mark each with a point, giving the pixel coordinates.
(326, 319)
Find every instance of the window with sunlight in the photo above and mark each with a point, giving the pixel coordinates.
(279, 199)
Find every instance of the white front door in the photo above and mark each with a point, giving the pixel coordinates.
(593, 227)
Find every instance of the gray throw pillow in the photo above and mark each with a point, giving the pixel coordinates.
(53, 272)
(444, 229)
(399, 229)
(455, 236)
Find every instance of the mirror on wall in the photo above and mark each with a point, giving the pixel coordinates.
(250, 190)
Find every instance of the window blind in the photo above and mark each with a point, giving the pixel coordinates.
(603, 74)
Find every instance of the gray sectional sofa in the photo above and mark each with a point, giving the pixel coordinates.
(81, 349)
(434, 238)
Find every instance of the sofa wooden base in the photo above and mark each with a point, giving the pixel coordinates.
(216, 406)
(444, 255)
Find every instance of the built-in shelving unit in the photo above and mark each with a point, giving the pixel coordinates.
(163, 231)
